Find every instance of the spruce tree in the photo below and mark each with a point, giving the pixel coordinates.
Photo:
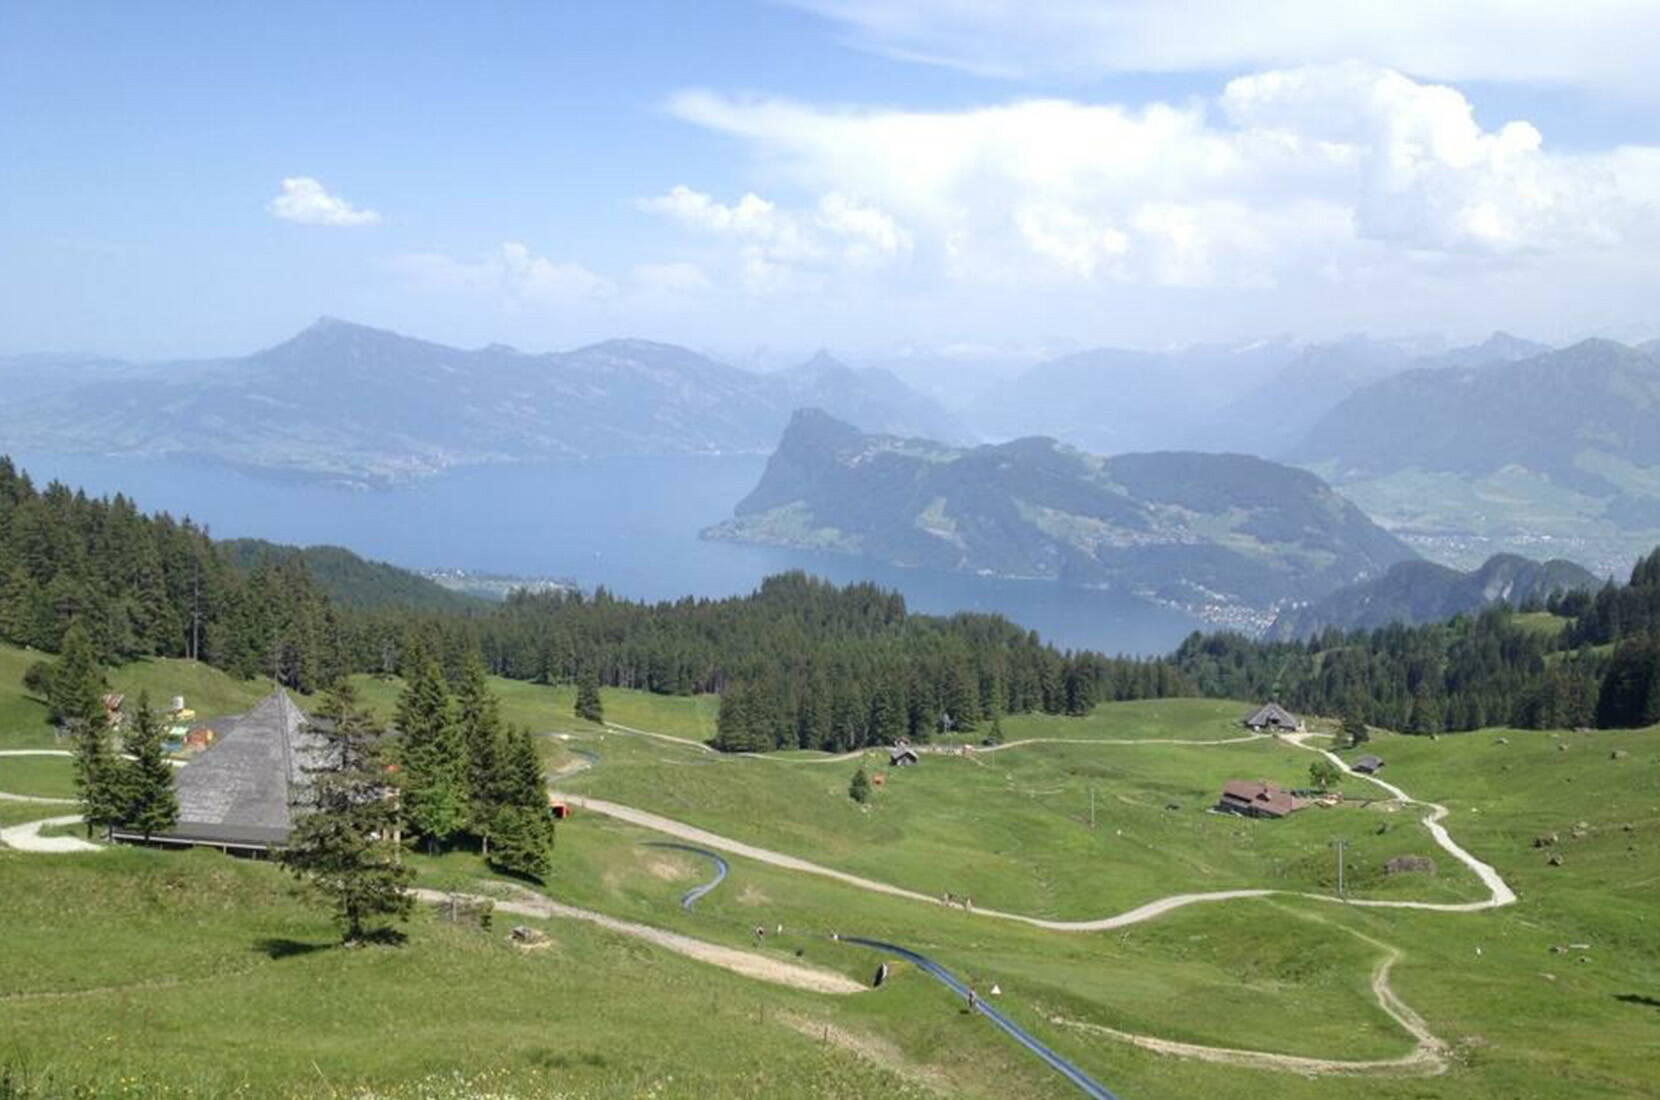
(75, 690)
(859, 789)
(1354, 729)
(478, 719)
(344, 844)
(434, 762)
(149, 802)
(523, 829)
(588, 704)
(77, 704)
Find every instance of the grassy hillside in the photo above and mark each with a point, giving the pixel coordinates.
(196, 975)
(551, 708)
(1012, 829)
(207, 690)
(162, 974)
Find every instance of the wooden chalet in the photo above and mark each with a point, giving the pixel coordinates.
(1272, 716)
(1257, 798)
(902, 755)
(239, 794)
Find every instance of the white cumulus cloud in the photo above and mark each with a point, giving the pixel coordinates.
(307, 202)
(777, 247)
(512, 275)
(1319, 169)
(1606, 44)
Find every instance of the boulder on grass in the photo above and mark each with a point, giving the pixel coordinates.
(525, 936)
(1402, 865)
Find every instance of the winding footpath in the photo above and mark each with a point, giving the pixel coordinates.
(1499, 892)
(747, 963)
(1085, 1083)
(1429, 1055)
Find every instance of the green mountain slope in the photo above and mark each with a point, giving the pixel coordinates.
(1415, 592)
(1563, 446)
(1205, 531)
(352, 581)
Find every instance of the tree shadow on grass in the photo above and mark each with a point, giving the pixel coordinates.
(1638, 999)
(277, 947)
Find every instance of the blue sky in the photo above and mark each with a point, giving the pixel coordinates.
(860, 176)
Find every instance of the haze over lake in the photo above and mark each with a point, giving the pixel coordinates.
(630, 524)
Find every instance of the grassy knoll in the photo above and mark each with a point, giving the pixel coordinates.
(164, 974)
(1143, 978)
(39, 776)
(549, 707)
(1151, 719)
(1541, 622)
(207, 690)
(1012, 829)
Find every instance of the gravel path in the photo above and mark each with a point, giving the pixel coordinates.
(27, 838)
(1428, 1057)
(750, 965)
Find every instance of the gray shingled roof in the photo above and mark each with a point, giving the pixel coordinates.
(1271, 714)
(238, 791)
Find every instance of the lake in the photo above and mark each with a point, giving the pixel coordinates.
(629, 524)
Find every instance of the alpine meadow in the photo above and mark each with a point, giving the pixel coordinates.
(809, 550)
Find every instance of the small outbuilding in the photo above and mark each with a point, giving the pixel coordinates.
(902, 755)
(1366, 765)
(558, 809)
(1272, 716)
(1257, 798)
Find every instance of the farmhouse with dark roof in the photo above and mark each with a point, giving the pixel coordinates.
(239, 793)
(1272, 716)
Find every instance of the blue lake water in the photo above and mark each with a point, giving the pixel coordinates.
(629, 524)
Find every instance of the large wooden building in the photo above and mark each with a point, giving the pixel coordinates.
(1257, 798)
(1272, 716)
(240, 793)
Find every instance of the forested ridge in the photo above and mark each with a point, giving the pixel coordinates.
(1601, 668)
(799, 662)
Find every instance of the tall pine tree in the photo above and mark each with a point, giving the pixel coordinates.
(588, 705)
(77, 704)
(434, 762)
(149, 802)
(523, 829)
(344, 843)
(478, 723)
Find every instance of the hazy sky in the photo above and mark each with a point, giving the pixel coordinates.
(187, 179)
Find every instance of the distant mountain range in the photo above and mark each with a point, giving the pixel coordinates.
(1218, 534)
(1563, 445)
(1259, 397)
(1413, 592)
(348, 402)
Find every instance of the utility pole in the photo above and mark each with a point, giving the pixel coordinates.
(1338, 844)
(1092, 807)
(196, 612)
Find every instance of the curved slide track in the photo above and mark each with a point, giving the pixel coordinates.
(1088, 1085)
(695, 894)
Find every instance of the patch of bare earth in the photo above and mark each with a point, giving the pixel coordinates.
(874, 1049)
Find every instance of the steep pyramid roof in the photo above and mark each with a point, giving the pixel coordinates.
(238, 791)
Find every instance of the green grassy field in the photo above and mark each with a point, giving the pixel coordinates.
(140, 973)
(1012, 829)
(206, 690)
(38, 776)
(1151, 719)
